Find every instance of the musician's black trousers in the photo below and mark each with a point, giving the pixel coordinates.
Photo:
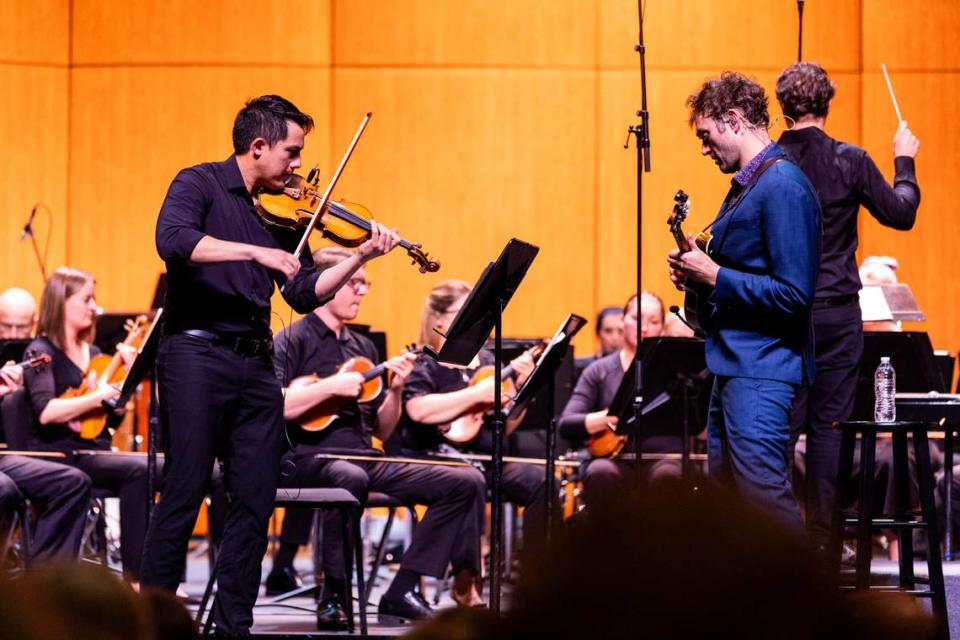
(61, 496)
(448, 534)
(606, 481)
(839, 345)
(216, 403)
(125, 477)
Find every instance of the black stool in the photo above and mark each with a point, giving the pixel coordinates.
(352, 543)
(903, 522)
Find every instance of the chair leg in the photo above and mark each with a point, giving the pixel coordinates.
(346, 529)
(380, 551)
(868, 448)
(847, 444)
(361, 590)
(207, 592)
(928, 509)
(902, 510)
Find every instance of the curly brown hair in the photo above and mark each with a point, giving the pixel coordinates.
(731, 90)
(805, 88)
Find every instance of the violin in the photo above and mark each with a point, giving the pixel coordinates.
(322, 415)
(467, 426)
(104, 368)
(346, 223)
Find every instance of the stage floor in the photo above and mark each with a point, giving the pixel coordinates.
(296, 617)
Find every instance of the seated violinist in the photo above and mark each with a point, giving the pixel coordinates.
(443, 411)
(449, 532)
(66, 329)
(585, 415)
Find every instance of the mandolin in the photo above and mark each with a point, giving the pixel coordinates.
(695, 306)
(465, 428)
(322, 415)
(104, 368)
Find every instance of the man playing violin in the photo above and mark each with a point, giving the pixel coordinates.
(450, 531)
(760, 277)
(218, 392)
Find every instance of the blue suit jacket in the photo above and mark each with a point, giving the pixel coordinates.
(768, 249)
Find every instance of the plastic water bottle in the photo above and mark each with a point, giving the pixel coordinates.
(885, 392)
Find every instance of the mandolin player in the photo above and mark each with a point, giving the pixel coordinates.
(449, 533)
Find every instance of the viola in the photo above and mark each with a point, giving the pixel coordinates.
(322, 415)
(465, 428)
(346, 223)
(104, 368)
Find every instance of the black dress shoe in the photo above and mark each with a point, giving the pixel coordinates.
(282, 580)
(331, 616)
(397, 611)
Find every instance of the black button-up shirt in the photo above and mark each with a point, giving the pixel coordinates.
(224, 297)
(845, 178)
(310, 346)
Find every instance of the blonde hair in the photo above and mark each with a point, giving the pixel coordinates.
(62, 283)
(438, 302)
(329, 256)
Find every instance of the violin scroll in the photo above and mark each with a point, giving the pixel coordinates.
(421, 257)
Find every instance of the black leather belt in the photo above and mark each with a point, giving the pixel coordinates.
(243, 345)
(835, 301)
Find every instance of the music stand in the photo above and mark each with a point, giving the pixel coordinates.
(141, 368)
(544, 374)
(481, 312)
(669, 364)
(13, 350)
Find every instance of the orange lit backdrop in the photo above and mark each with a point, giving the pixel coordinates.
(492, 119)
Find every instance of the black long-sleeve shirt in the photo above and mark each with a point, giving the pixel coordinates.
(310, 346)
(224, 297)
(596, 389)
(845, 178)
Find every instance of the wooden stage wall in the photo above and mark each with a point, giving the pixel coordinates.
(492, 119)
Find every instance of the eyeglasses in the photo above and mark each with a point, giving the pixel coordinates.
(357, 283)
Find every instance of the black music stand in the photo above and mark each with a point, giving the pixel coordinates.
(544, 374)
(142, 368)
(13, 350)
(675, 370)
(482, 312)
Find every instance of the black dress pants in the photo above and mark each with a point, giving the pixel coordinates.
(448, 534)
(61, 496)
(216, 403)
(126, 477)
(838, 331)
(525, 485)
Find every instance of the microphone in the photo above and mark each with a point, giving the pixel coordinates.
(28, 228)
(675, 310)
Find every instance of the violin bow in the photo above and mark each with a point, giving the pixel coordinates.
(333, 183)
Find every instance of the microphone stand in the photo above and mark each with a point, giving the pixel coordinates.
(28, 231)
(800, 32)
(641, 132)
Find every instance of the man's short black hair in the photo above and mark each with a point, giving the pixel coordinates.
(266, 117)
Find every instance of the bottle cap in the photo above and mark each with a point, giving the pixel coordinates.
(884, 359)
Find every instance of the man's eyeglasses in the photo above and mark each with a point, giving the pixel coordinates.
(357, 283)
